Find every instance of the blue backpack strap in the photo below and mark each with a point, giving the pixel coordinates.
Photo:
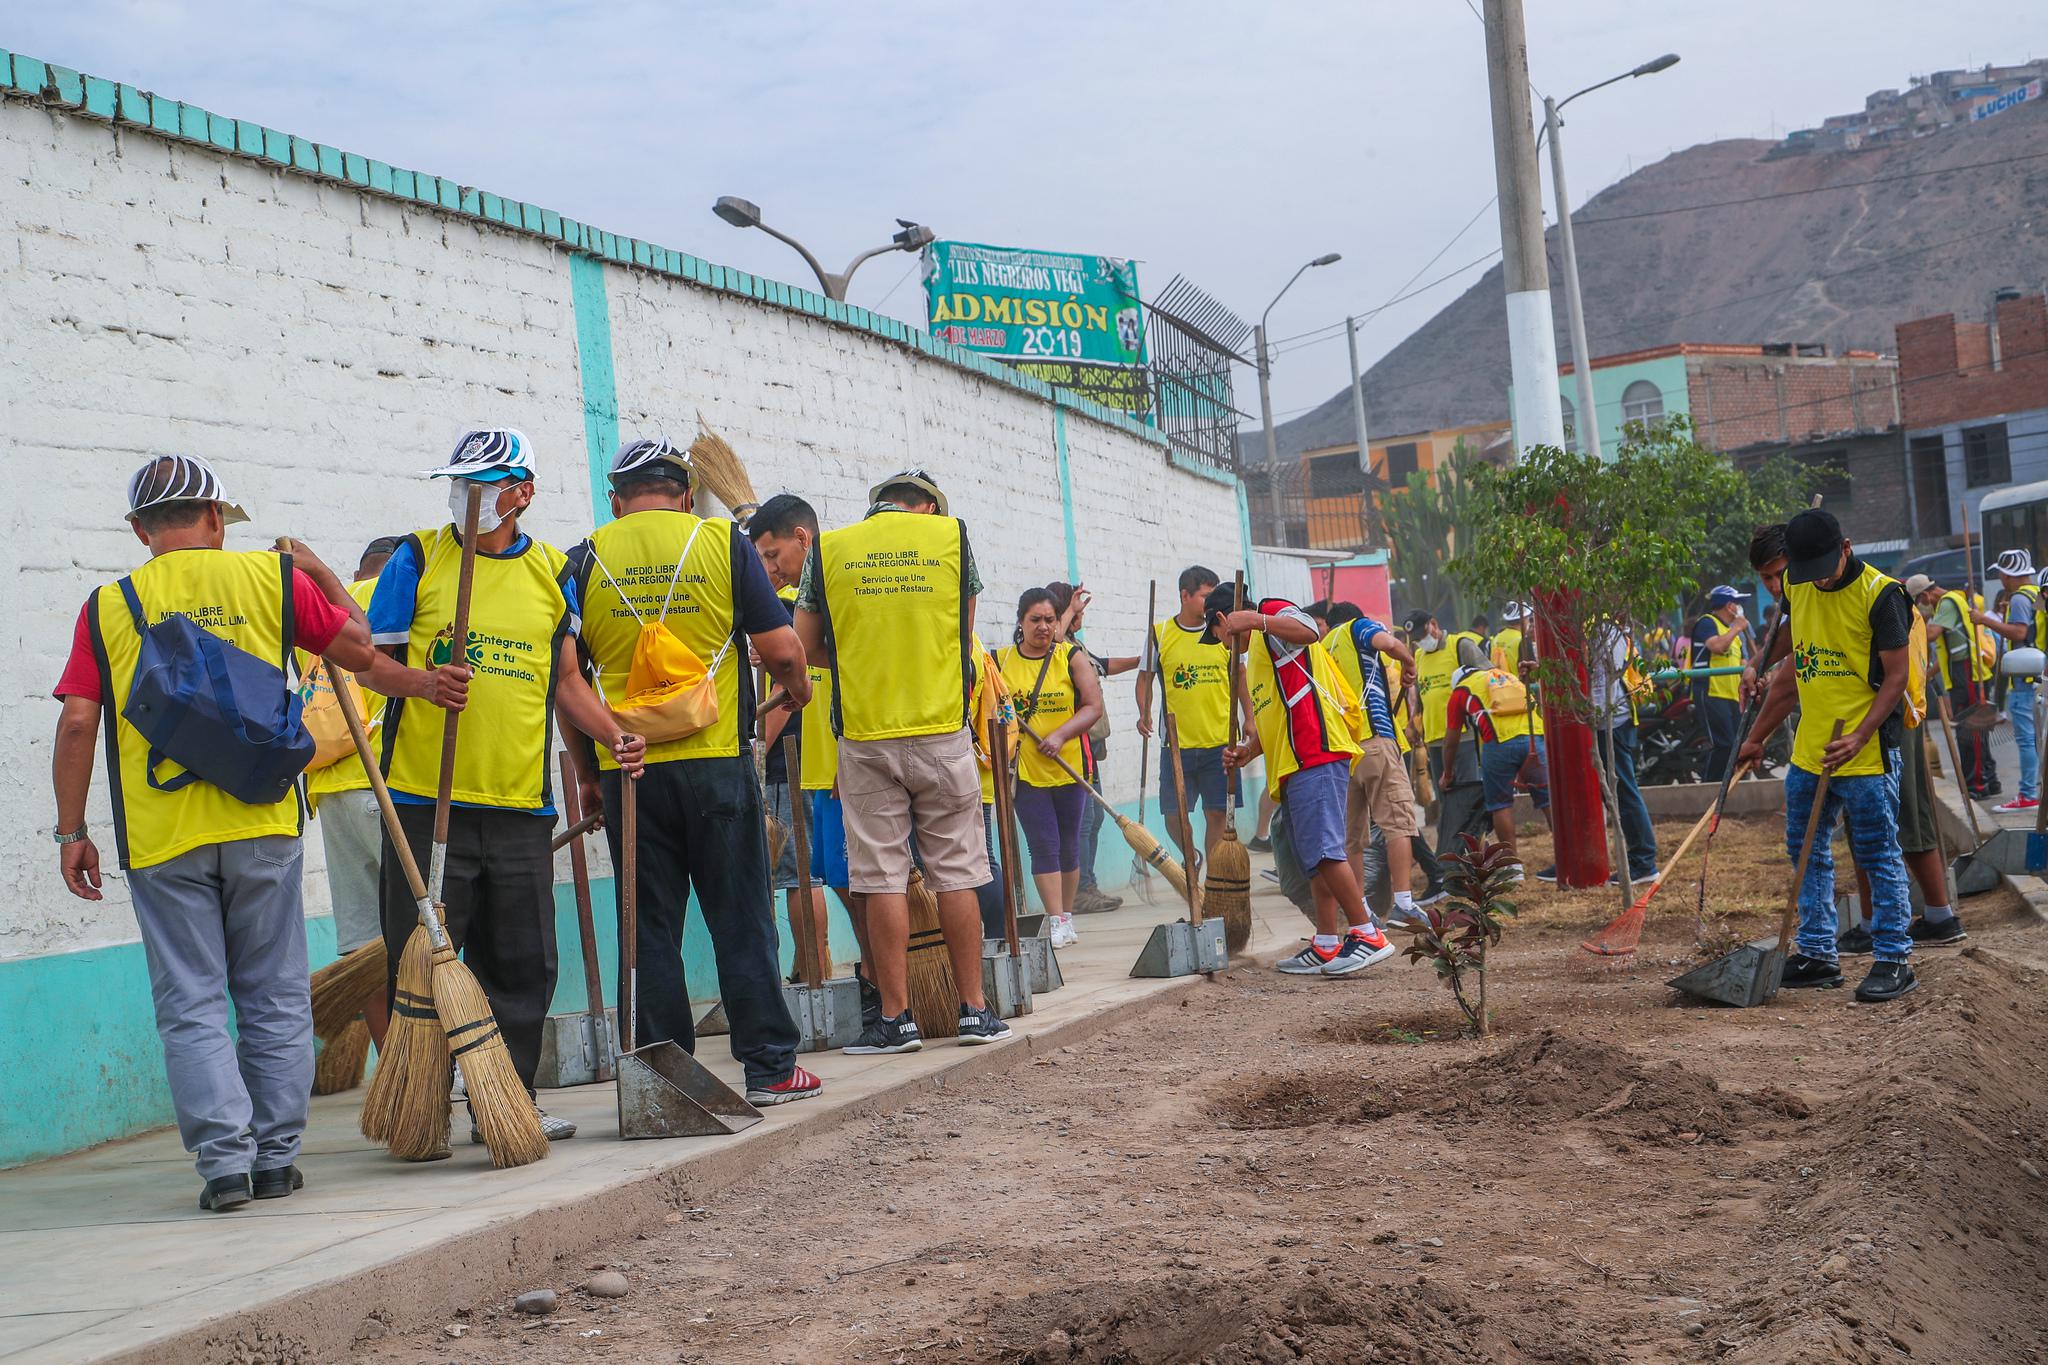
(127, 586)
(289, 619)
(155, 756)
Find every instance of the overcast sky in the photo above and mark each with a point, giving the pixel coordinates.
(1229, 142)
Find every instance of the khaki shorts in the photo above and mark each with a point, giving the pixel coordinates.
(931, 783)
(1380, 792)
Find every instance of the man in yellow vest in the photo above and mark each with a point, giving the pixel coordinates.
(1719, 640)
(1968, 666)
(1851, 627)
(1290, 694)
(1461, 800)
(1196, 681)
(1380, 807)
(2019, 627)
(658, 566)
(498, 883)
(888, 605)
(351, 826)
(1496, 706)
(214, 881)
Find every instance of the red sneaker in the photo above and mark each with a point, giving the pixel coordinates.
(800, 1085)
(2018, 803)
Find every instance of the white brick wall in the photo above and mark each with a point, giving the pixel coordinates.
(322, 345)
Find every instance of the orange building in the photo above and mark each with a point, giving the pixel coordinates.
(1333, 501)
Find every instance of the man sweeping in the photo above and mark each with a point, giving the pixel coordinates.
(1196, 677)
(1495, 705)
(2019, 625)
(1968, 659)
(697, 581)
(214, 879)
(888, 605)
(1461, 799)
(498, 887)
(1380, 800)
(1851, 632)
(1290, 696)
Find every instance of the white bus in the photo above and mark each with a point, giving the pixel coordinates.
(2013, 518)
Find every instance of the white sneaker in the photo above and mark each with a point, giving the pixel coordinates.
(1310, 961)
(1064, 934)
(1361, 949)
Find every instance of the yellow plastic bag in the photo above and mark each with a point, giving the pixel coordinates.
(670, 692)
(323, 719)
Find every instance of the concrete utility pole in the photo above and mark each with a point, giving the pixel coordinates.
(1532, 337)
(1358, 420)
(1266, 421)
(1587, 428)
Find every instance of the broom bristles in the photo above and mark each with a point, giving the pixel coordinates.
(718, 466)
(341, 1061)
(343, 985)
(1152, 853)
(1227, 894)
(412, 1013)
(934, 994)
(504, 1112)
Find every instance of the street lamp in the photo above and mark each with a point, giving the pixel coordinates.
(742, 213)
(1266, 389)
(1588, 426)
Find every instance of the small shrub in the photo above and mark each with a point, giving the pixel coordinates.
(1455, 934)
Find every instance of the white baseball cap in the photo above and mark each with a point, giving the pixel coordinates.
(180, 478)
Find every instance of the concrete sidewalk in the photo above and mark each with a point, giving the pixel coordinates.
(105, 1254)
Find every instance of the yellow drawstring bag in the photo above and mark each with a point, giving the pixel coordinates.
(670, 692)
(322, 716)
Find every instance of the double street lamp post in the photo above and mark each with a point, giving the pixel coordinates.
(743, 214)
(1265, 364)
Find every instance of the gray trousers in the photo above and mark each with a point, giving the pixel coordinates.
(224, 922)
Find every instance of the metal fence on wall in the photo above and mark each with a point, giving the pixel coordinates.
(1194, 341)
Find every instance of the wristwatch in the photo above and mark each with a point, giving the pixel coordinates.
(73, 837)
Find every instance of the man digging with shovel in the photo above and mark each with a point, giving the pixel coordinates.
(1851, 630)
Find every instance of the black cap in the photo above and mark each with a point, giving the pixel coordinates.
(1222, 599)
(1813, 541)
(1417, 619)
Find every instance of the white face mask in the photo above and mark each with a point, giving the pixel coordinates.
(1432, 643)
(487, 518)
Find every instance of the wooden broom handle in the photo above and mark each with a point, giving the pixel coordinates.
(628, 883)
(1820, 796)
(1187, 825)
(586, 923)
(1149, 648)
(809, 962)
(347, 702)
(1066, 768)
(458, 652)
(1006, 834)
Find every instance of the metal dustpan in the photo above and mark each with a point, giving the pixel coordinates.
(664, 1092)
(1745, 978)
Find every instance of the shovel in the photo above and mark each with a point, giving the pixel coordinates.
(1972, 872)
(1751, 974)
(664, 1092)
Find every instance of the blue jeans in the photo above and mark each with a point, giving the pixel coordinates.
(1501, 762)
(2019, 704)
(1870, 804)
(1636, 830)
(1091, 837)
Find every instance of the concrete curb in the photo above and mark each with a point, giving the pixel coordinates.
(427, 1286)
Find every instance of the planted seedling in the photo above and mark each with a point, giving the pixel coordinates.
(1454, 935)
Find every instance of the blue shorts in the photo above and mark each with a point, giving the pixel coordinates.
(1315, 800)
(1498, 764)
(782, 872)
(1208, 786)
(828, 840)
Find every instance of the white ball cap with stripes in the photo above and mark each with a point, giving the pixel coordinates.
(2016, 563)
(489, 455)
(180, 478)
(658, 456)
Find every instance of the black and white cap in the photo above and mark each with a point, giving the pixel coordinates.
(2017, 563)
(916, 478)
(180, 478)
(489, 455)
(658, 456)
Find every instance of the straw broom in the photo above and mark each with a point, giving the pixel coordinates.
(715, 464)
(1140, 839)
(934, 993)
(1227, 891)
(341, 1062)
(343, 986)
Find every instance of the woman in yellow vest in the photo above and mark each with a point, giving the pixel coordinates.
(213, 880)
(1851, 630)
(498, 883)
(1056, 692)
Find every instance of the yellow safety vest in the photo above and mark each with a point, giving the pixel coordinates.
(244, 598)
(1055, 706)
(345, 774)
(1196, 679)
(1397, 703)
(1727, 686)
(1507, 656)
(1269, 710)
(1480, 683)
(517, 618)
(1983, 652)
(641, 551)
(894, 592)
(1831, 663)
(988, 769)
(1433, 673)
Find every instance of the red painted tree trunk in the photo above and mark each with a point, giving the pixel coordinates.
(1576, 809)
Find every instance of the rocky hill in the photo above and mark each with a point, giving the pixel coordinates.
(1920, 228)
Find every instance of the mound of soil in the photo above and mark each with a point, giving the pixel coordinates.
(1271, 1317)
(1308, 1097)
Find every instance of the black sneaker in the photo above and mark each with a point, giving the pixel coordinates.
(225, 1192)
(978, 1026)
(887, 1035)
(1855, 941)
(1887, 981)
(1431, 894)
(276, 1184)
(1945, 934)
(1548, 874)
(1803, 971)
(1259, 843)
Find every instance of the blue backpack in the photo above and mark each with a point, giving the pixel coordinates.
(216, 710)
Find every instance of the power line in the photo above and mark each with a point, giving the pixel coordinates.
(1316, 338)
(1815, 189)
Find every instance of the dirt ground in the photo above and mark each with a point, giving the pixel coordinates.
(1288, 1169)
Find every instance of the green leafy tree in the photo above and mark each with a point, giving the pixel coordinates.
(1426, 522)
